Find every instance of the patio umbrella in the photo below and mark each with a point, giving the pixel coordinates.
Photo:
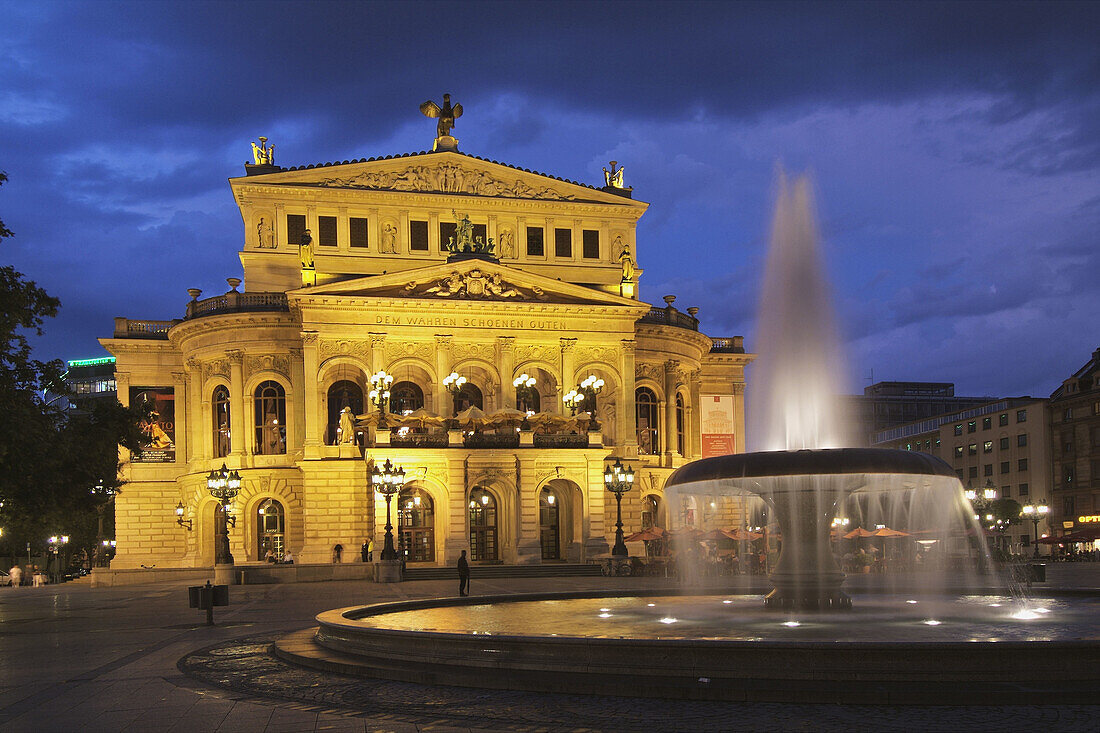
(857, 533)
(508, 417)
(547, 420)
(419, 418)
(647, 535)
(887, 532)
(473, 416)
(369, 420)
(740, 535)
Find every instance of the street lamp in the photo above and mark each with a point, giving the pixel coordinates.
(453, 383)
(1035, 512)
(524, 384)
(224, 485)
(380, 393)
(387, 481)
(185, 523)
(53, 568)
(100, 558)
(618, 479)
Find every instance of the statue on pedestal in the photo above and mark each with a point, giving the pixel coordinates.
(614, 178)
(446, 116)
(347, 426)
(262, 154)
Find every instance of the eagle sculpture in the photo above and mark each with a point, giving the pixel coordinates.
(446, 114)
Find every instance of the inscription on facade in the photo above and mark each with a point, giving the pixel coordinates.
(470, 322)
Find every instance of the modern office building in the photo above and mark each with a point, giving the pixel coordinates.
(884, 405)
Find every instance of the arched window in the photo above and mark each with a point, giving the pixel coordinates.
(528, 398)
(646, 421)
(549, 535)
(270, 403)
(483, 525)
(468, 396)
(342, 394)
(220, 404)
(270, 530)
(406, 397)
(651, 508)
(416, 525)
(681, 419)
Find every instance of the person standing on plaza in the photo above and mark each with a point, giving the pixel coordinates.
(364, 551)
(463, 575)
(16, 576)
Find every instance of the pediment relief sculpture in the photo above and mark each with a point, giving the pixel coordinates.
(475, 284)
(447, 178)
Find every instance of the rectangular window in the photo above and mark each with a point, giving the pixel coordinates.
(1023, 490)
(972, 449)
(563, 242)
(973, 472)
(959, 473)
(1096, 408)
(959, 429)
(448, 230)
(1068, 414)
(326, 231)
(1021, 464)
(1069, 506)
(1068, 475)
(1006, 466)
(590, 240)
(1021, 415)
(1021, 440)
(357, 232)
(1002, 420)
(480, 233)
(418, 236)
(987, 446)
(987, 423)
(295, 228)
(1004, 443)
(958, 451)
(971, 426)
(1094, 437)
(534, 242)
(987, 469)
(1067, 442)
(1006, 491)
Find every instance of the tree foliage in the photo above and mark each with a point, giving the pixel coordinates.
(50, 458)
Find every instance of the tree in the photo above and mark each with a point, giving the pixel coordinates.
(49, 458)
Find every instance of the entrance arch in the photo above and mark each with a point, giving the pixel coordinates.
(549, 524)
(416, 524)
(483, 517)
(270, 530)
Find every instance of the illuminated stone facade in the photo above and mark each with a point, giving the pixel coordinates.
(256, 379)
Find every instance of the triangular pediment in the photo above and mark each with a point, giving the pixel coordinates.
(440, 173)
(468, 280)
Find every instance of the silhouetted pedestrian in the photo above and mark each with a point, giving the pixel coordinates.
(463, 575)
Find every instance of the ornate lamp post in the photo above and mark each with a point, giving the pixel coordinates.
(53, 567)
(185, 523)
(618, 479)
(524, 384)
(1035, 512)
(100, 559)
(387, 481)
(380, 393)
(223, 485)
(453, 383)
(590, 387)
(573, 400)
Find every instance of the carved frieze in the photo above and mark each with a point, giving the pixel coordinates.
(607, 354)
(644, 370)
(448, 178)
(215, 368)
(344, 347)
(405, 349)
(474, 284)
(268, 363)
(482, 352)
(536, 352)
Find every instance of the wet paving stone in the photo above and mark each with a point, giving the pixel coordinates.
(245, 666)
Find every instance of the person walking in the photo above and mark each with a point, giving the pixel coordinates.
(16, 576)
(463, 575)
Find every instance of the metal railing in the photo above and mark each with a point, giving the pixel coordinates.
(733, 345)
(670, 317)
(418, 440)
(550, 440)
(491, 440)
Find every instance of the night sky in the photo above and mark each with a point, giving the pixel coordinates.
(955, 151)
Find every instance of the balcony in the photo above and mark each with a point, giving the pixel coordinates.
(129, 328)
(733, 345)
(418, 440)
(484, 441)
(670, 317)
(235, 302)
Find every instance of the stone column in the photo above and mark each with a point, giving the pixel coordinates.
(179, 386)
(443, 405)
(672, 381)
(311, 445)
(237, 423)
(296, 430)
(506, 362)
(568, 378)
(201, 445)
(628, 434)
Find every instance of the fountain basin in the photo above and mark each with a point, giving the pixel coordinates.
(889, 659)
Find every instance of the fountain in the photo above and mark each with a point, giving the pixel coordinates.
(809, 644)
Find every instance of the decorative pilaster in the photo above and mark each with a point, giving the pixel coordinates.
(179, 387)
(377, 352)
(443, 344)
(296, 432)
(671, 384)
(237, 414)
(627, 410)
(506, 361)
(311, 445)
(202, 441)
(568, 378)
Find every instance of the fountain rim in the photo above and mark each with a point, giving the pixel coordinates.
(819, 462)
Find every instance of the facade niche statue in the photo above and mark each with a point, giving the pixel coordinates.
(389, 239)
(505, 241)
(265, 235)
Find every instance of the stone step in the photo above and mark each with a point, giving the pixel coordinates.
(506, 571)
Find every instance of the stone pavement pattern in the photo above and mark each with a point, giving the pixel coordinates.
(76, 658)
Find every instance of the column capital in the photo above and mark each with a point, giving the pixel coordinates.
(629, 345)
(444, 340)
(567, 345)
(506, 342)
(235, 356)
(310, 338)
(377, 340)
(179, 377)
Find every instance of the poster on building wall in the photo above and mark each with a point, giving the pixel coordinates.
(160, 425)
(717, 425)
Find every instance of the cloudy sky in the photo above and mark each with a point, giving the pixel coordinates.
(955, 150)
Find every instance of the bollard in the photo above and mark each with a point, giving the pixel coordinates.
(206, 597)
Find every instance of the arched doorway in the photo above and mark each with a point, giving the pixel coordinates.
(483, 526)
(270, 530)
(549, 525)
(649, 439)
(406, 397)
(651, 511)
(220, 405)
(270, 408)
(344, 393)
(468, 396)
(416, 525)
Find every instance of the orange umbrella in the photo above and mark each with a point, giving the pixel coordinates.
(858, 532)
(647, 535)
(887, 532)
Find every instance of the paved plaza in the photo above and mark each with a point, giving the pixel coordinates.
(138, 659)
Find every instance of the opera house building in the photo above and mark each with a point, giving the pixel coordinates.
(479, 325)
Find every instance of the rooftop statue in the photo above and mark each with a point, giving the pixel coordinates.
(614, 177)
(262, 154)
(446, 114)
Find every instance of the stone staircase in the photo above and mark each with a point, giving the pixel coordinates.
(546, 570)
